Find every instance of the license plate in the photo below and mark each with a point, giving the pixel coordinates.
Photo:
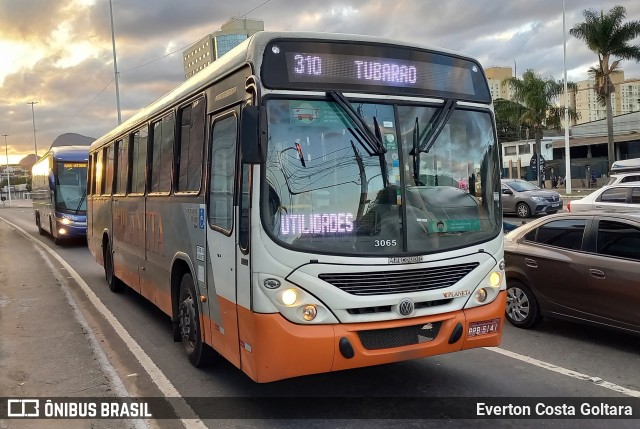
(555, 204)
(483, 328)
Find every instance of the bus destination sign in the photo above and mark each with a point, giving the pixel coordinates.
(319, 65)
(363, 70)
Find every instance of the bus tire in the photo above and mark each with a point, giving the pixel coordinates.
(189, 323)
(41, 231)
(115, 284)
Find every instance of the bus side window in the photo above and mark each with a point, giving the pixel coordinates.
(108, 178)
(122, 160)
(139, 161)
(162, 154)
(223, 161)
(191, 146)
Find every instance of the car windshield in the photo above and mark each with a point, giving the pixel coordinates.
(523, 186)
(327, 191)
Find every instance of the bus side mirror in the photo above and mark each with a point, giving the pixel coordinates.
(52, 180)
(250, 146)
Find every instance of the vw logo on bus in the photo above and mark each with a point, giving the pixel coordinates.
(405, 307)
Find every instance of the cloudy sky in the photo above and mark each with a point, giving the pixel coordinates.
(59, 53)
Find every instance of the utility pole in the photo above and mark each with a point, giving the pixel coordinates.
(33, 118)
(115, 64)
(567, 152)
(6, 152)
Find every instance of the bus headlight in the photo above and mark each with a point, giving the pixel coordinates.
(481, 295)
(65, 221)
(495, 279)
(62, 231)
(309, 312)
(289, 297)
(293, 302)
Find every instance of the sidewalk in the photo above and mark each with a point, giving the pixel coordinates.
(45, 349)
(17, 203)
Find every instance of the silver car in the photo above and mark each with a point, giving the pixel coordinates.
(620, 197)
(527, 199)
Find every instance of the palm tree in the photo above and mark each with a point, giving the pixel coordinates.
(535, 104)
(608, 36)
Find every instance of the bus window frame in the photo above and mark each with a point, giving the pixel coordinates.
(105, 155)
(146, 161)
(230, 111)
(99, 155)
(177, 145)
(151, 139)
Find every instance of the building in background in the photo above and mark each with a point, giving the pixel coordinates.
(625, 99)
(495, 76)
(211, 47)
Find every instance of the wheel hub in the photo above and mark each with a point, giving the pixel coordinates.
(517, 304)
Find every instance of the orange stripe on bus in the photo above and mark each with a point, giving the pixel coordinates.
(281, 349)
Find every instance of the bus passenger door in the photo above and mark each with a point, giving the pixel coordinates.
(221, 236)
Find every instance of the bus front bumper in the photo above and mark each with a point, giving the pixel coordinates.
(275, 348)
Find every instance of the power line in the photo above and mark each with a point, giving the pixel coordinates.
(87, 105)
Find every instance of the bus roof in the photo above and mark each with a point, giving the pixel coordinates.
(250, 51)
(68, 153)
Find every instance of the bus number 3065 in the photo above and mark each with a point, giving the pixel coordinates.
(385, 243)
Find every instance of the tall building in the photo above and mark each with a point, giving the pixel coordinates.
(214, 45)
(495, 76)
(625, 99)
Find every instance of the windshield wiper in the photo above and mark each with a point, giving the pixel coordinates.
(84, 195)
(434, 128)
(365, 137)
(370, 141)
(416, 153)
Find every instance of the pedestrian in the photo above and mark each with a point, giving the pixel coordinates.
(542, 178)
(554, 181)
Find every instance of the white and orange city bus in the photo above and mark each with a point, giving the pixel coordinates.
(310, 203)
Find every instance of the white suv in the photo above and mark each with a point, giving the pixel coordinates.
(614, 179)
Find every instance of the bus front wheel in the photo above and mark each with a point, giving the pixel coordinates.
(189, 323)
(115, 284)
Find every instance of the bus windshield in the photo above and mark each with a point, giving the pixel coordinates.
(327, 191)
(71, 187)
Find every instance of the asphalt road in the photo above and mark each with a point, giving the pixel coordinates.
(558, 359)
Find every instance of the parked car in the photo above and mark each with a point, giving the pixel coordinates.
(626, 165)
(614, 179)
(526, 199)
(509, 226)
(620, 197)
(577, 266)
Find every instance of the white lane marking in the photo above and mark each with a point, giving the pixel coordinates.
(187, 416)
(568, 372)
(101, 357)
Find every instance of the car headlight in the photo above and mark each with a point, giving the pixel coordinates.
(539, 199)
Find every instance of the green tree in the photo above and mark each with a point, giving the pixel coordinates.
(608, 36)
(534, 106)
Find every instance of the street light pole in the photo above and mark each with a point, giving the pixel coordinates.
(6, 152)
(115, 64)
(567, 152)
(33, 118)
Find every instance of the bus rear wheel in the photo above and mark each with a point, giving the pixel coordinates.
(115, 284)
(189, 323)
